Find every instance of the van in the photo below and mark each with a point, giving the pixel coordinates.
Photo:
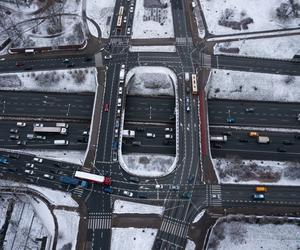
(62, 124)
(253, 134)
(119, 102)
(260, 189)
(61, 142)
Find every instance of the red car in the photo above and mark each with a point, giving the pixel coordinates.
(106, 107)
(19, 64)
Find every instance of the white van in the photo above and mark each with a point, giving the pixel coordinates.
(61, 142)
(119, 102)
(62, 124)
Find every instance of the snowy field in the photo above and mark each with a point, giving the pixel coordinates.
(239, 16)
(127, 207)
(33, 24)
(164, 48)
(152, 22)
(67, 80)
(240, 235)
(150, 165)
(238, 85)
(151, 81)
(190, 245)
(3, 209)
(132, 238)
(68, 224)
(240, 171)
(101, 11)
(284, 47)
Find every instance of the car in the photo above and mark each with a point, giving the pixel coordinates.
(298, 117)
(116, 132)
(140, 129)
(171, 117)
(228, 133)
(22, 143)
(215, 196)
(168, 136)
(134, 179)
(150, 135)
(3, 160)
(115, 156)
(253, 134)
(12, 169)
(281, 150)
(117, 123)
(136, 143)
(258, 196)
(85, 132)
(217, 145)
(14, 137)
(187, 89)
(243, 140)
(168, 129)
(120, 90)
(108, 190)
(231, 120)
(142, 195)
(83, 139)
(37, 159)
(14, 156)
(115, 145)
(13, 130)
(88, 59)
(71, 65)
(40, 137)
(38, 125)
(159, 186)
(54, 171)
(118, 112)
(21, 124)
(187, 104)
(27, 171)
(174, 187)
(29, 165)
(58, 164)
(297, 136)
(131, 9)
(191, 179)
(2, 59)
(127, 193)
(187, 195)
(125, 19)
(51, 177)
(107, 57)
(249, 110)
(287, 142)
(106, 107)
(157, 244)
(66, 60)
(28, 68)
(19, 64)
(128, 30)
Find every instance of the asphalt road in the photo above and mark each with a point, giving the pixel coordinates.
(43, 105)
(265, 114)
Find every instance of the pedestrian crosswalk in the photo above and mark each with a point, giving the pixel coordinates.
(215, 195)
(205, 60)
(175, 227)
(119, 41)
(184, 41)
(99, 221)
(85, 169)
(78, 191)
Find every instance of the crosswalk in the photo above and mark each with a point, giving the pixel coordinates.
(174, 227)
(78, 191)
(205, 60)
(184, 41)
(85, 169)
(99, 221)
(119, 41)
(215, 195)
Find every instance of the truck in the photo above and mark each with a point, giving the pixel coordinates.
(187, 76)
(128, 133)
(218, 138)
(263, 139)
(72, 181)
(58, 130)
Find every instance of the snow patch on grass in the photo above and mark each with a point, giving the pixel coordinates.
(127, 207)
(166, 48)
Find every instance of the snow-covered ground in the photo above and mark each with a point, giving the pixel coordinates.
(127, 207)
(68, 225)
(284, 47)
(247, 16)
(259, 129)
(240, 235)
(132, 238)
(151, 165)
(152, 22)
(163, 48)
(199, 20)
(101, 11)
(151, 80)
(3, 209)
(55, 197)
(199, 216)
(67, 80)
(238, 85)
(257, 172)
(190, 245)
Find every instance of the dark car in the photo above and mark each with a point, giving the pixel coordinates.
(14, 156)
(108, 190)
(187, 195)
(12, 169)
(141, 129)
(58, 164)
(282, 150)
(83, 139)
(71, 65)
(134, 179)
(54, 171)
(13, 130)
(171, 117)
(142, 195)
(216, 145)
(28, 68)
(287, 142)
(88, 59)
(157, 244)
(14, 137)
(191, 178)
(243, 140)
(228, 133)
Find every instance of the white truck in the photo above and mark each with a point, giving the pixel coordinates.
(61, 142)
(263, 139)
(128, 133)
(58, 130)
(218, 138)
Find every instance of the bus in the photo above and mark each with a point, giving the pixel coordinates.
(121, 10)
(119, 22)
(194, 84)
(93, 178)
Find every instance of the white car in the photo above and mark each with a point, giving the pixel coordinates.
(123, 66)
(159, 186)
(27, 171)
(150, 135)
(85, 132)
(168, 136)
(40, 160)
(125, 19)
(128, 30)
(38, 125)
(127, 193)
(120, 90)
(108, 57)
(131, 9)
(51, 177)
(21, 124)
(168, 129)
(29, 165)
